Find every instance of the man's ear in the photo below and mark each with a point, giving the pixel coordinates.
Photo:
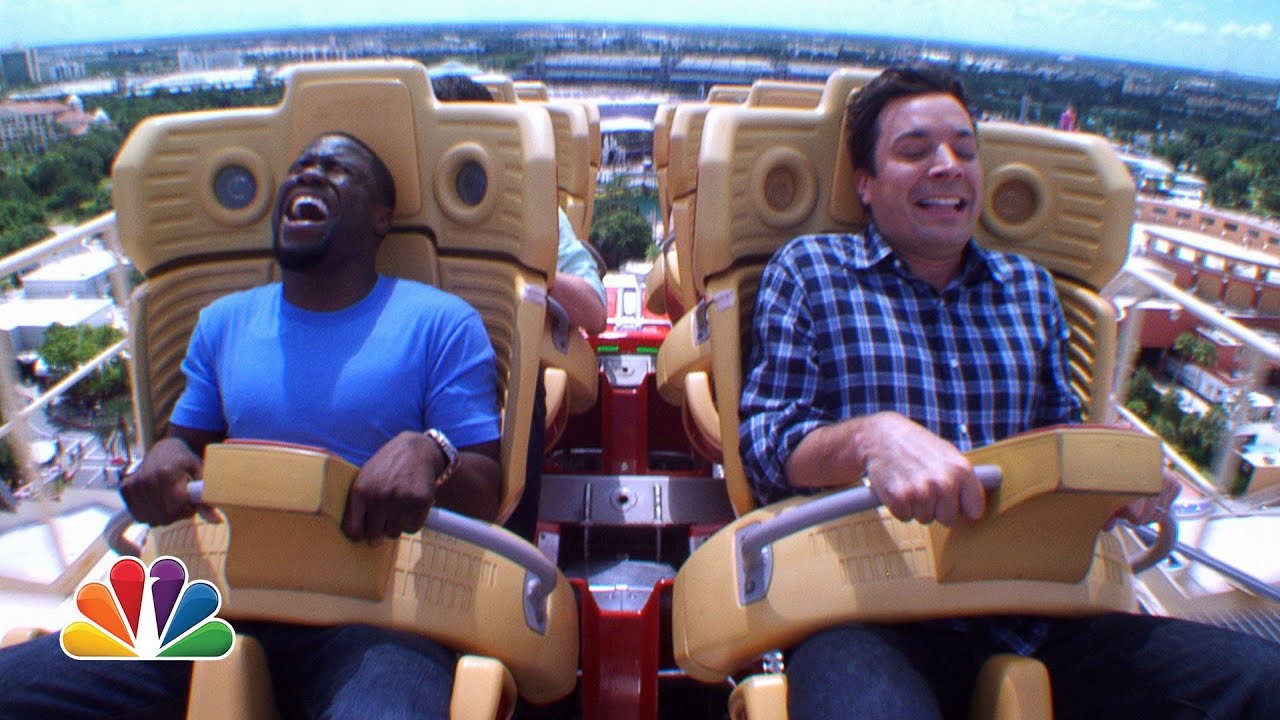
(381, 220)
(861, 183)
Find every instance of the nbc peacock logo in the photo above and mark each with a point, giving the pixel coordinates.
(148, 613)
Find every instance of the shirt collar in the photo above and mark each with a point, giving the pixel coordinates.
(979, 263)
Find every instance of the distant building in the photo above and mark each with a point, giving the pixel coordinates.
(19, 67)
(1142, 85)
(705, 70)
(34, 126)
(208, 59)
(62, 71)
(72, 290)
(26, 319)
(579, 67)
(82, 275)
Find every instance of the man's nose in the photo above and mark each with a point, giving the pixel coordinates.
(311, 172)
(945, 160)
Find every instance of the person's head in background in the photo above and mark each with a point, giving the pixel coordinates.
(459, 88)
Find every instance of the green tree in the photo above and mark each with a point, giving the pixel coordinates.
(1142, 389)
(66, 348)
(1196, 350)
(1212, 433)
(1169, 411)
(621, 235)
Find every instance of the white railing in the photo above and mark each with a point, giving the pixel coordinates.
(17, 411)
(1139, 281)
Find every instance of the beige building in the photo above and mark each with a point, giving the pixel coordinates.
(35, 125)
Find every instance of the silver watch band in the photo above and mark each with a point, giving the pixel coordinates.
(452, 460)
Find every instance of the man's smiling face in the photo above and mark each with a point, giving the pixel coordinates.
(927, 190)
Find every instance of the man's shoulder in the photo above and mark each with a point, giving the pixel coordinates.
(806, 249)
(1012, 266)
(248, 298)
(420, 296)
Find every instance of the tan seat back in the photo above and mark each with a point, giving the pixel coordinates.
(782, 94)
(577, 138)
(530, 91)
(575, 151)
(729, 94)
(662, 118)
(475, 214)
(684, 145)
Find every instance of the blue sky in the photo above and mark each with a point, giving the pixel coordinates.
(1241, 36)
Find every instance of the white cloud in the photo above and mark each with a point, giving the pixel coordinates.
(1185, 27)
(1259, 31)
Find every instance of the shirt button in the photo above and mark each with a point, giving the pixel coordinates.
(964, 429)
(955, 363)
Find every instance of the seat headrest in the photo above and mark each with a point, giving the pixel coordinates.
(780, 93)
(767, 174)
(195, 185)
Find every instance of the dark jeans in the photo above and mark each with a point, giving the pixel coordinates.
(350, 671)
(1111, 666)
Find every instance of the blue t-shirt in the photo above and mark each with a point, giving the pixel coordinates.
(406, 357)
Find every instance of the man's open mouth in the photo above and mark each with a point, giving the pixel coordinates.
(307, 208)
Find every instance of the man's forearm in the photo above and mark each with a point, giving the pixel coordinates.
(826, 457)
(580, 301)
(475, 489)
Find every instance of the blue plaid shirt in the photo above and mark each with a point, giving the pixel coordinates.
(842, 329)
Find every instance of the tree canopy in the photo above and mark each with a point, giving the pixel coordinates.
(66, 348)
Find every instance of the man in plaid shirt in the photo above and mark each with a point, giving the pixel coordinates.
(888, 353)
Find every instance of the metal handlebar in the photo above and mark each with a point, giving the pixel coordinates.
(541, 575)
(754, 541)
(1162, 543)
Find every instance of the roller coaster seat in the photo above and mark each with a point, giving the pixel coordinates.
(570, 368)
(766, 175)
(681, 143)
(475, 215)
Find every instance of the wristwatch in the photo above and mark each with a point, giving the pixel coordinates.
(450, 455)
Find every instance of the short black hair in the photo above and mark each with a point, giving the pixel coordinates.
(382, 176)
(862, 116)
(455, 87)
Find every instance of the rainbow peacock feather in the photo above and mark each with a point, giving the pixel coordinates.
(117, 626)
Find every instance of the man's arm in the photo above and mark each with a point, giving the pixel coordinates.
(476, 488)
(916, 474)
(580, 301)
(397, 487)
(157, 493)
(577, 283)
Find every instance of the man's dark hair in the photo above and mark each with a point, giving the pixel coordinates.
(862, 123)
(381, 175)
(452, 88)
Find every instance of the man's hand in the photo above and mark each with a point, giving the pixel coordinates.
(157, 493)
(916, 474)
(1151, 508)
(394, 490)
